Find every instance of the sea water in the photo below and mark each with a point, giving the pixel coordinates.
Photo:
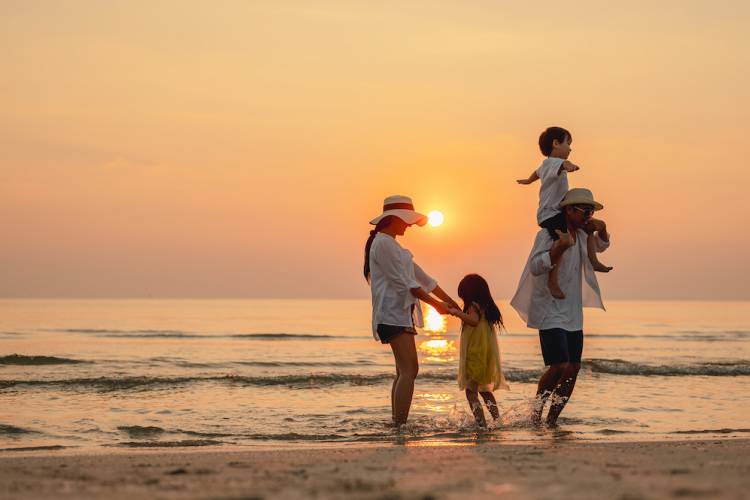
(164, 373)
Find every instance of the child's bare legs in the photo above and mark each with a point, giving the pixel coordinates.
(489, 400)
(591, 249)
(476, 407)
(565, 242)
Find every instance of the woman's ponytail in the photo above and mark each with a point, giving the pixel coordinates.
(382, 224)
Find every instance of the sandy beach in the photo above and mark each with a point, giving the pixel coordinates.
(558, 469)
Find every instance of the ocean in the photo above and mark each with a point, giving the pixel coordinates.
(104, 374)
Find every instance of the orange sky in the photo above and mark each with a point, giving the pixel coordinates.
(231, 149)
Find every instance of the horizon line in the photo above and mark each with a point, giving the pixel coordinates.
(141, 297)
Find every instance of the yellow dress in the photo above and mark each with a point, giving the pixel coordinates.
(479, 362)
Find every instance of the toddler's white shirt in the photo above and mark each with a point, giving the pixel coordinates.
(553, 188)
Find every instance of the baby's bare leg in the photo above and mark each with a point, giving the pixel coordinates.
(593, 257)
(552, 283)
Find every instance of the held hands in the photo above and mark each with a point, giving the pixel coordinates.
(454, 311)
(441, 307)
(446, 307)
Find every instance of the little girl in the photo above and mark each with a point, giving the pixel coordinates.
(479, 366)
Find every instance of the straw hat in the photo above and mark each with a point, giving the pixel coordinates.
(580, 196)
(403, 208)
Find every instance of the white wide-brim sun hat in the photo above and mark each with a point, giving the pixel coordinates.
(403, 208)
(580, 196)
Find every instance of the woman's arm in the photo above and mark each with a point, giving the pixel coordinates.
(440, 307)
(445, 297)
(429, 285)
(470, 318)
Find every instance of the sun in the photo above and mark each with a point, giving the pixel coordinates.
(435, 218)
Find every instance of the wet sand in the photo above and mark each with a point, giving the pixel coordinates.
(558, 469)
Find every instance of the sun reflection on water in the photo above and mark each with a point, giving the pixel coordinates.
(434, 322)
(441, 350)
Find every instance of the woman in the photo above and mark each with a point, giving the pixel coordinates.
(398, 284)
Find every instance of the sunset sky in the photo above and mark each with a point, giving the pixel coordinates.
(238, 149)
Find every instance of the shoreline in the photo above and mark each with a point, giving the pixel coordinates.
(546, 437)
(715, 468)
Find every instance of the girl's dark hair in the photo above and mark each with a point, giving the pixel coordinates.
(474, 288)
(551, 134)
(382, 224)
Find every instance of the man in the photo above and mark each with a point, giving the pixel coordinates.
(560, 321)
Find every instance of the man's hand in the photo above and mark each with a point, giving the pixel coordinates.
(565, 239)
(596, 225)
(524, 181)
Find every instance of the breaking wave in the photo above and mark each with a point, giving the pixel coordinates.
(169, 444)
(12, 430)
(709, 369)
(103, 332)
(713, 431)
(19, 359)
(295, 381)
(326, 379)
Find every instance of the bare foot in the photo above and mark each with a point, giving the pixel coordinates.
(601, 268)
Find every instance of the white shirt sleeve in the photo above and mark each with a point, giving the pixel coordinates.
(389, 258)
(550, 169)
(540, 261)
(425, 280)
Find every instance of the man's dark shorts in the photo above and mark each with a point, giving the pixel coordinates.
(555, 222)
(561, 346)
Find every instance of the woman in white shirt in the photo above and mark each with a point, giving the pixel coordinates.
(398, 284)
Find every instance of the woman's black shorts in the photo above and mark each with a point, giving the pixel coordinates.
(390, 332)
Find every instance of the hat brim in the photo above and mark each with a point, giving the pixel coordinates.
(597, 206)
(409, 216)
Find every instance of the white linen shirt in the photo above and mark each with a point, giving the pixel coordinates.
(552, 189)
(393, 273)
(576, 277)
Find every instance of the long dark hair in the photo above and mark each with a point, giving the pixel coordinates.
(474, 288)
(382, 224)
